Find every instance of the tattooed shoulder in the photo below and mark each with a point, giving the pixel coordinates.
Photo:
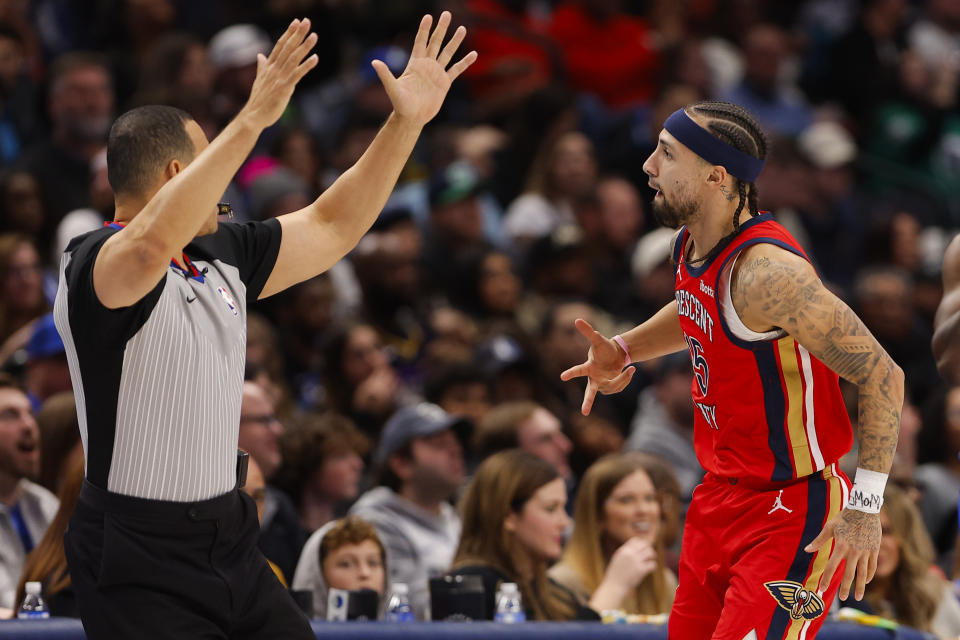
(777, 289)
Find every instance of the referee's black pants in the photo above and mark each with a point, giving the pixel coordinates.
(153, 569)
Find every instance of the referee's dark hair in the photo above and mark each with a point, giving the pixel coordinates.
(141, 143)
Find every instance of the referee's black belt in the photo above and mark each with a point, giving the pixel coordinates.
(109, 502)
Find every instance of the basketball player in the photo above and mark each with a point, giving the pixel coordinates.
(774, 529)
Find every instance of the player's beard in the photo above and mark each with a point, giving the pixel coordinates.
(675, 215)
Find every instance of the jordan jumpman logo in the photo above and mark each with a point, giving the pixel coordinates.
(777, 504)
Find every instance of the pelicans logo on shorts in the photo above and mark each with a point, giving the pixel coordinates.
(800, 602)
(228, 299)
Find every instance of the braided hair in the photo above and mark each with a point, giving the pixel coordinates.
(734, 125)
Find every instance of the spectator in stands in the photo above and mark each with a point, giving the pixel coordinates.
(460, 390)
(653, 272)
(559, 264)
(873, 42)
(21, 285)
(833, 218)
(322, 465)
(177, 72)
(46, 371)
(519, 58)
(883, 297)
(455, 227)
(299, 151)
(21, 205)
(672, 510)
(256, 488)
(47, 563)
(281, 536)
(934, 35)
(80, 103)
(938, 474)
(564, 171)
(420, 467)
(26, 509)
(265, 363)
(592, 34)
(277, 191)
(527, 426)
(344, 554)
(663, 424)
(361, 382)
(513, 526)
(19, 121)
(60, 444)
(615, 558)
(390, 273)
(906, 587)
(490, 290)
(233, 54)
(780, 108)
(621, 222)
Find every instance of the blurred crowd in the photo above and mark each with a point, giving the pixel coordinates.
(382, 386)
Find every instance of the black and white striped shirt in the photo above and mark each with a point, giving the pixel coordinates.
(158, 383)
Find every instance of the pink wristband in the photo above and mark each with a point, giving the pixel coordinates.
(623, 345)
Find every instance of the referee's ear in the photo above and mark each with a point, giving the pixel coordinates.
(172, 169)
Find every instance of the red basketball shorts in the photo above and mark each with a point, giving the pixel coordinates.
(743, 571)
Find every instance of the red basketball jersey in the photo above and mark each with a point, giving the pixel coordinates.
(765, 408)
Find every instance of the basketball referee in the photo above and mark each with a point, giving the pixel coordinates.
(152, 310)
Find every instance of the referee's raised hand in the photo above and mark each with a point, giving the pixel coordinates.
(419, 91)
(279, 73)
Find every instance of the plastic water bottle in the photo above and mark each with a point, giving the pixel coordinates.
(509, 604)
(33, 606)
(398, 605)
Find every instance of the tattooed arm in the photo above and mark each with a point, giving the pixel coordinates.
(773, 288)
(946, 334)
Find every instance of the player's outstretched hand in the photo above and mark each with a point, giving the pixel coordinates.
(420, 90)
(279, 73)
(857, 536)
(603, 369)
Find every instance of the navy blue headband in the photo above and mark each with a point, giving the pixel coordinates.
(712, 149)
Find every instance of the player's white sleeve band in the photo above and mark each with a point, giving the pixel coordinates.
(867, 492)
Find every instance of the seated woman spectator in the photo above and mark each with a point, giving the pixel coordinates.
(615, 558)
(21, 285)
(323, 462)
(362, 384)
(344, 554)
(513, 525)
(47, 563)
(907, 587)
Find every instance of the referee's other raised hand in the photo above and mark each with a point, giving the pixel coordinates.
(279, 73)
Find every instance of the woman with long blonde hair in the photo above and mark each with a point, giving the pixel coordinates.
(906, 587)
(615, 558)
(513, 524)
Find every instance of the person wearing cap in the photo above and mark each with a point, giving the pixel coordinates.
(152, 310)
(455, 229)
(775, 531)
(420, 467)
(46, 372)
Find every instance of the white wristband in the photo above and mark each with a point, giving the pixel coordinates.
(867, 492)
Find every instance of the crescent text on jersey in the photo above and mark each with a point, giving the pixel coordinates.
(690, 306)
